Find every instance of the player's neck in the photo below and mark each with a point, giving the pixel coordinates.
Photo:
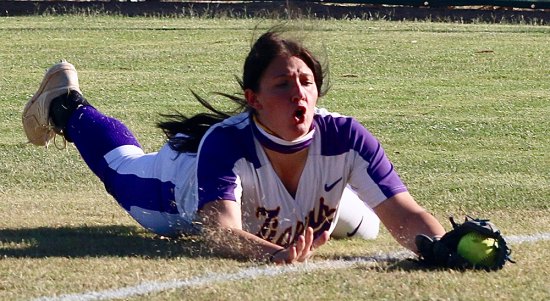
(269, 140)
(288, 167)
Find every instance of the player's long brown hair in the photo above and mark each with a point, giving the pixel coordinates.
(185, 133)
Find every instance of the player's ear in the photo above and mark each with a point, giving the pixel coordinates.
(252, 99)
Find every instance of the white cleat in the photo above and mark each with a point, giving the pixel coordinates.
(59, 79)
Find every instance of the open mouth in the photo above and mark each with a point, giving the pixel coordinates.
(299, 114)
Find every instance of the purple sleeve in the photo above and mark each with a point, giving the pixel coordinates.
(380, 169)
(221, 148)
(355, 137)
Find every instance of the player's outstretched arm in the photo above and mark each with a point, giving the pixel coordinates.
(223, 230)
(405, 219)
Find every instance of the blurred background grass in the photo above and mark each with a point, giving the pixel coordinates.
(462, 111)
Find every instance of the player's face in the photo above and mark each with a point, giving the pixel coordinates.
(286, 98)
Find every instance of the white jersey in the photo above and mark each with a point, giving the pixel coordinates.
(162, 191)
(232, 165)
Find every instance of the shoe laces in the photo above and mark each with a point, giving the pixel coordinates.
(64, 146)
(56, 132)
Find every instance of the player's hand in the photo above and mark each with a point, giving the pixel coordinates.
(303, 249)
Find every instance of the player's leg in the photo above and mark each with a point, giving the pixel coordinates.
(106, 145)
(354, 218)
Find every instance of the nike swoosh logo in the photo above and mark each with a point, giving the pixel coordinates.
(329, 187)
(350, 234)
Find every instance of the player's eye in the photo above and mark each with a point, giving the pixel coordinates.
(307, 80)
(281, 83)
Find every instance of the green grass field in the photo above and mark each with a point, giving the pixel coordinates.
(462, 111)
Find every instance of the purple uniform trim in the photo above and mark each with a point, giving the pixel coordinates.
(284, 149)
(218, 155)
(145, 193)
(94, 135)
(342, 134)
(233, 140)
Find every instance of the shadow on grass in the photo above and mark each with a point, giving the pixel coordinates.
(389, 262)
(95, 241)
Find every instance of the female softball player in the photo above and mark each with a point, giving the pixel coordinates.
(273, 182)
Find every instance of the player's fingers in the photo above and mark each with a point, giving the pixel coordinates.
(321, 240)
(286, 256)
(309, 238)
(291, 255)
(302, 249)
(300, 245)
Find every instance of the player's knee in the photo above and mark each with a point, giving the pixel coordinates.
(366, 227)
(370, 230)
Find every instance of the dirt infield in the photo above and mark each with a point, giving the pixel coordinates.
(277, 9)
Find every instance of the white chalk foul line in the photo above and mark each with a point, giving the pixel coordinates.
(211, 278)
(252, 273)
(518, 239)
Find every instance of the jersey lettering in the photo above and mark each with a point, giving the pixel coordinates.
(320, 221)
(271, 223)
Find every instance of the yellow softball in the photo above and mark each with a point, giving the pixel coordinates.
(478, 249)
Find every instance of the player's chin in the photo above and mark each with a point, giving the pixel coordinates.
(301, 131)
